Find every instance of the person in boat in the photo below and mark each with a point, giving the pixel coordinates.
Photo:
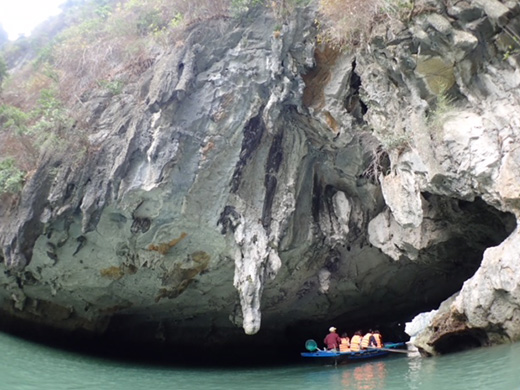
(368, 341)
(332, 340)
(355, 342)
(378, 339)
(344, 346)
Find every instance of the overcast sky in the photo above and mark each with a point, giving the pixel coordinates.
(20, 17)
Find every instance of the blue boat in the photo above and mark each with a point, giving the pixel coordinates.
(371, 353)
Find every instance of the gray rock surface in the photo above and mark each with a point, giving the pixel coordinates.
(462, 151)
(257, 183)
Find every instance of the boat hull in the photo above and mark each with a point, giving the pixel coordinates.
(360, 355)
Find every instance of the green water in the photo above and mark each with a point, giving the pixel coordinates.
(27, 366)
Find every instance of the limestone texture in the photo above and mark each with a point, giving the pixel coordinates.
(252, 188)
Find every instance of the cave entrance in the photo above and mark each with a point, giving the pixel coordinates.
(461, 341)
(372, 292)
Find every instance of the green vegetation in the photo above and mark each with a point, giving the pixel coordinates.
(115, 87)
(443, 106)
(509, 42)
(94, 42)
(13, 119)
(49, 114)
(392, 141)
(511, 51)
(24, 134)
(97, 42)
(444, 103)
(282, 9)
(241, 6)
(52, 119)
(103, 38)
(11, 178)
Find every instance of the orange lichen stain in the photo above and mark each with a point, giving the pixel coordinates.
(226, 101)
(113, 272)
(117, 273)
(180, 277)
(317, 78)
(164, 247)
(331, 122)
(201, 258)
(204, 151)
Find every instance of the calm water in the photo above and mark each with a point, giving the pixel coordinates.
(27, 366)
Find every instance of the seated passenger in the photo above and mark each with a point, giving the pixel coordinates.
(344, 346)
(355, 343)
(378, 339)
(365, 342)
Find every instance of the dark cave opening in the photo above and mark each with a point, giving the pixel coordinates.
(461, 341)
(353, 103)
(423, 283)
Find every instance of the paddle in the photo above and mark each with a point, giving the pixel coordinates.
(389, 350)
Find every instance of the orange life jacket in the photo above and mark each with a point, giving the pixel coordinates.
(355, 343)
(345, 344)
(379, 340)
(366, 340)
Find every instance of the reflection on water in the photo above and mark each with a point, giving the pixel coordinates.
(413, 376)
(368, 376)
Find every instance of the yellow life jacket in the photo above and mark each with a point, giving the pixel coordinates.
(379, 340)
(345, 344)
(366, 340)
(355, 343)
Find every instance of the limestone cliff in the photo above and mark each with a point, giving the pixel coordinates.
(254, 181)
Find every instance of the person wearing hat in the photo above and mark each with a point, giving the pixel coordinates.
(332, 340)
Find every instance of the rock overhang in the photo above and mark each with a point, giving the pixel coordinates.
(254, 210)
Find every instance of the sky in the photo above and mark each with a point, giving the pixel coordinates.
(20, 17)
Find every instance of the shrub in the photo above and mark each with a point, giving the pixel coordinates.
(239, 7)
(51, 119)
(282, 9)
(345, 21)
(443, 107)
(349, 22)
(11, 178)
(13, 119)
(376, 157)
(115, 87)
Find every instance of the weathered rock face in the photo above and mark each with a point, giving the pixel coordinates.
(469, 153)
(240, 187)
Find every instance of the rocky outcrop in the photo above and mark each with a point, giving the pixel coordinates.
(466, 152)
(255, 182)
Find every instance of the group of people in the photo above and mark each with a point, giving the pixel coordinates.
(371, 339)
